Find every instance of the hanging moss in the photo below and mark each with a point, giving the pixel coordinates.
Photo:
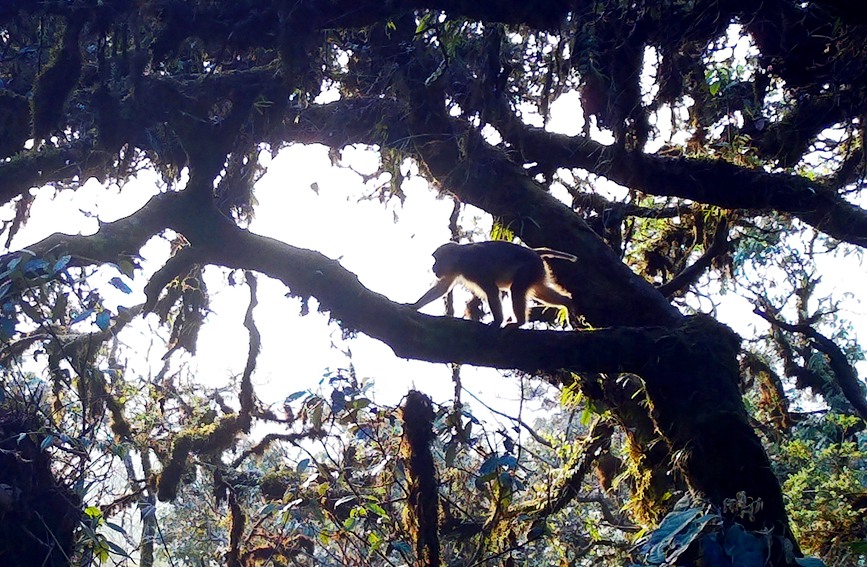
(14, 122)
(423, 500)
(54, 84)
(209, 439)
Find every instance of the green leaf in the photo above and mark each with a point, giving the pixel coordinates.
(423, 24)
(126, 268)
(374, 540)
(93, 512)
(376, 509)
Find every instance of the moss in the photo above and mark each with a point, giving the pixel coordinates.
(55, 83)
(209, 439)
(14, 123)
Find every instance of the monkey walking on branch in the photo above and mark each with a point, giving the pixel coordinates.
(485, 268)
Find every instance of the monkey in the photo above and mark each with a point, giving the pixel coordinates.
(485, 268)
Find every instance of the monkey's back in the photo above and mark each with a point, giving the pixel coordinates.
(503, 260)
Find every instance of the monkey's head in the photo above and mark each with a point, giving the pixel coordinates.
(446, 259)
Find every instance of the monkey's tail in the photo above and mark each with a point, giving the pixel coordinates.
(549, 253)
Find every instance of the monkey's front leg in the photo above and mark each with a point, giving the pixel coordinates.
(439, 289)
(493, 297)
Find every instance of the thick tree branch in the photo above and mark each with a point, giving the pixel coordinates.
(216, 240)
(711, 182)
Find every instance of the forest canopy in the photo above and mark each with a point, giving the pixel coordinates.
(709, 150)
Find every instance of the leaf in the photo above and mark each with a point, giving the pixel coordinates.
(36, 265)
(316, 418)
(745, 548)
(93, 512)
(489, 467)
(81, 316)
(374, 540)
(360, 403)
(59, 309)
(377, 509)
(401, 546)
(451, 453)
(4, 288)
(119, 284)
(103, 320)
(7, 328)
(423, 24)
(115, 527)
(126, 268)
(293, 397)
(116, 549)
(656, 547)
(509, 461)
(350, 522)
(344, 500)
(61, 263)
(46, 442)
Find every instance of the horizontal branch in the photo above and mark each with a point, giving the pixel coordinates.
(216, 240)
(712, 182)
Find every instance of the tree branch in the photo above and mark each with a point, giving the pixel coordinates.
(692, 272)
(707, 181)
(846, 377)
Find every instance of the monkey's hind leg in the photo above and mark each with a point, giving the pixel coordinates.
(550, 296)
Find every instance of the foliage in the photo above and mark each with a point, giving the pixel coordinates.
(826, 485)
